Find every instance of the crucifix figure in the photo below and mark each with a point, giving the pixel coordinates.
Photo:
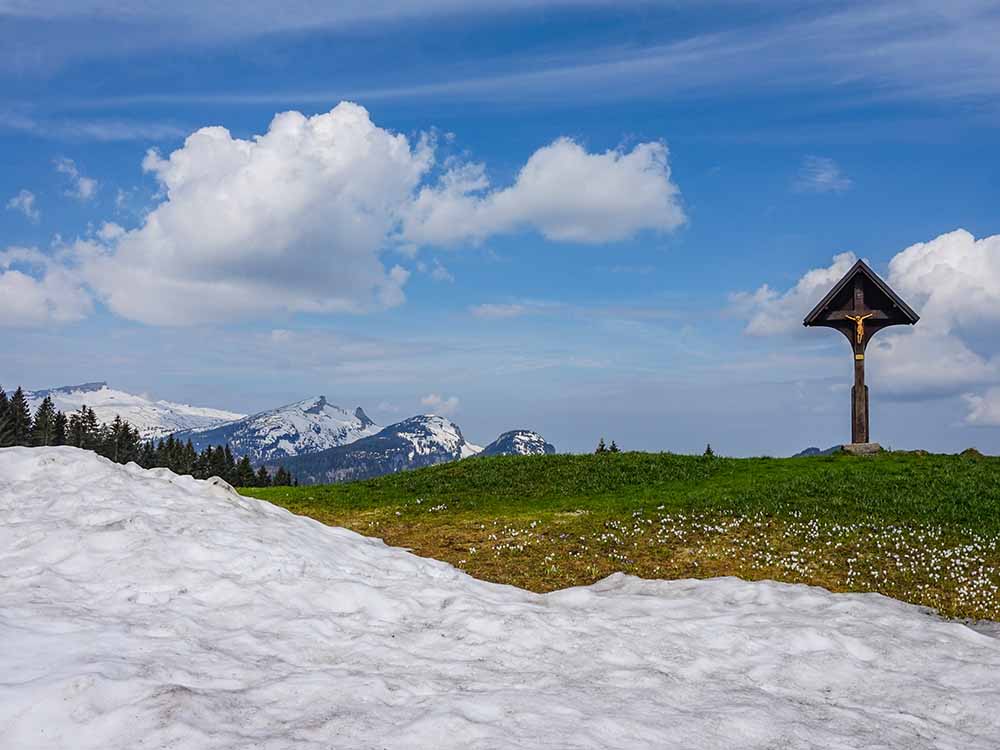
(859, 306)
(859, 321)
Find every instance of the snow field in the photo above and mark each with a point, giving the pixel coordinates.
(143, 609)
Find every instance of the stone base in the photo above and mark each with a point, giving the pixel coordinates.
(862, 449)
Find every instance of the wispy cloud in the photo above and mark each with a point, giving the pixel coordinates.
(877, 48)
(83, 188)
(24, 202)
(96, 130)
(440, 405)
(819, 174)
(497, 311)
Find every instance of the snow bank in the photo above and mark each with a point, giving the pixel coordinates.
(142, 609)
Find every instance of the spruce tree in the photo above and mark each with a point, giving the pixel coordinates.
(43, 430)
(6, 430)
(263, 478)
(244, 473)
(60, 429)
(601, 447)
(20, 418)
(613, 448)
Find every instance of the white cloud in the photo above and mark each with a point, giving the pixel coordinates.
(83, 188)
(954, 279)
(294, 219)
(563, 192)
(953, 282)
(494, 311)
(35, 291)
(770, 312)
(437, 271)
(298, 219)
(819, 174)
(924, 363)
(24, 202)
(439, 405)
(984, 410)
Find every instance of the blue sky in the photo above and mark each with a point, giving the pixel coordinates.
(662, 177)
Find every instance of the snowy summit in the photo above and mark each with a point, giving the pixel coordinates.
(411, 444)
(153, 419)
(144, 609)
(519, 443)
(307, 426)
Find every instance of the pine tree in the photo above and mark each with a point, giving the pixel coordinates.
(709, 453)
(601, 447)
(230, 475)
(244, 473)
(20, 418)
(263, 478)
(613, 448)
(43, 430)
(6, 430)
(147, 455)
(60, 429)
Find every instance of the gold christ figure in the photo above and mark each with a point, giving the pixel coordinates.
(859, 323)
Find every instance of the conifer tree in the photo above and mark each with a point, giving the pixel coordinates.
(263, 478)
(244, 473)
(60, 429)
(19, 417)
(613, 448)
(601, 447)
(6, 430)
(147, 455)
(43, 430)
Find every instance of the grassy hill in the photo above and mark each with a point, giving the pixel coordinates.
(922, 528)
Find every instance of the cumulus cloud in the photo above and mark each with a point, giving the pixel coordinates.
(953, 281)
(82, 187)
(770, 312)
(819, 174)
(923, 363)
(563, 192)
(294, 219)
(35, 291)
(984, 410)
(440, 405)
(24, 202)
(495, 311)
(299, 219)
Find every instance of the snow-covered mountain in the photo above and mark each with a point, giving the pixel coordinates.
(410, 444)
(307, 426)
(519, 443)
(153, 419)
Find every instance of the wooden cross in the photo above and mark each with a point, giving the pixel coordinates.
(860, 305)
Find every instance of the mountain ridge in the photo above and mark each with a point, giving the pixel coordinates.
(307, 426)
(418, 441)
(152, 418)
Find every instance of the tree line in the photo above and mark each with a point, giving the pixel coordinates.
(122, 443)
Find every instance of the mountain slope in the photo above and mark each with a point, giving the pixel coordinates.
(153, 419)
(414, 442)
(519, 443)
(307, 426)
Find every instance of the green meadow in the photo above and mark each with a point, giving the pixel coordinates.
(918, 527)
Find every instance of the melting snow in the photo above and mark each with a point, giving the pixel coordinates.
(143, 609)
